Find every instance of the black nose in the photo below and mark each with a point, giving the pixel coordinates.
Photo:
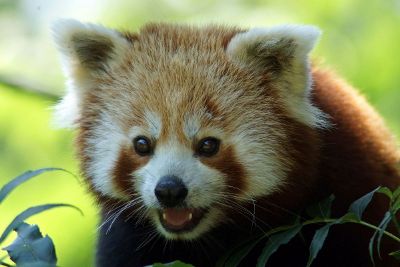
(170, 191)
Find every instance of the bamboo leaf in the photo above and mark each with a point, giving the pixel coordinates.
(30, 248)
(396, 193)
(30, 212)
(348, 217)
(382, 226)
(358, 207)
(319, 240)
(386, 191)
(274, 242)
(6, 189)
(395, 254)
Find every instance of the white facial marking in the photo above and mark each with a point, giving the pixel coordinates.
(204, 184)
(191, 126)
(174, 159)
(154, 123)
(66, 112)
(104, 147)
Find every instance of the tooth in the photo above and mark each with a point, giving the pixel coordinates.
(190, 216)
(164, 216)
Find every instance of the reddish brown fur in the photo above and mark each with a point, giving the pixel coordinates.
(127, 162)
(227, 162)
(351, 158)
(360, 152)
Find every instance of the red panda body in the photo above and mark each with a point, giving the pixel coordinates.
(193, 139)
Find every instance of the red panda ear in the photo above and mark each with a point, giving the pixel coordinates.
(282, 52)
(87, 51)
(88, 48)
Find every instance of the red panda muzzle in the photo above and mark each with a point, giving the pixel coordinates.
(170, 191)
(181, 219)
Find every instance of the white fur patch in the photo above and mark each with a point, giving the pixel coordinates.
(191, 126)
(66, 112)
(104, 148)
(204, 184)
(295, 82)
(266, 173)
(65, 29)
(305, 37)
(68, 109)
(154, 123)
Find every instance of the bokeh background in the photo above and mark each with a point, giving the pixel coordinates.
(361, 41)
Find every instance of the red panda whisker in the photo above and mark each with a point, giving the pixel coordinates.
(245, 212)
(242, 210)
(257, 205)
(152, 235)
(141, 213)
(117, 214)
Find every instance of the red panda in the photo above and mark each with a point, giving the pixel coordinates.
(194, 138)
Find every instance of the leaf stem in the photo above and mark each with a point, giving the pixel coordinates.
(319, 220)
(329, 220)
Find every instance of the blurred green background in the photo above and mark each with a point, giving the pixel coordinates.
(361, 41)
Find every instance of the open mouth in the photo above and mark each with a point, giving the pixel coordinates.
(180, 219)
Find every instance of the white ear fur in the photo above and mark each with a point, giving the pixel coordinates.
(283, 52)
(304, 38)
(82, 44)
(86, 50)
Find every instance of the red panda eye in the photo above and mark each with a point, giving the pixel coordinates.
(142, 146)
(208, 146)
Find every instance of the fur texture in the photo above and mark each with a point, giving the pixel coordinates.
(289, 134)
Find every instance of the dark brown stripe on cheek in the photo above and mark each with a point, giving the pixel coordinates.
(227, 162)
(127, 163)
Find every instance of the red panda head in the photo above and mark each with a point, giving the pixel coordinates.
(186, 123)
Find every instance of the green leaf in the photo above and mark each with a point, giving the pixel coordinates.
(348, 217)
(384, 224)
(30, 212)
(30, 247)
(396, 193)
(6, 189)
(396, 206)
(378, 234)
(396, 200)
(274, 242)
(358, 207)
(386, 191)
(395, 254)
(319, 240)
(321, 209)
(171, 264)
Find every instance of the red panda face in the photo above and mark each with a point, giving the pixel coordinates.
(183, 123)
